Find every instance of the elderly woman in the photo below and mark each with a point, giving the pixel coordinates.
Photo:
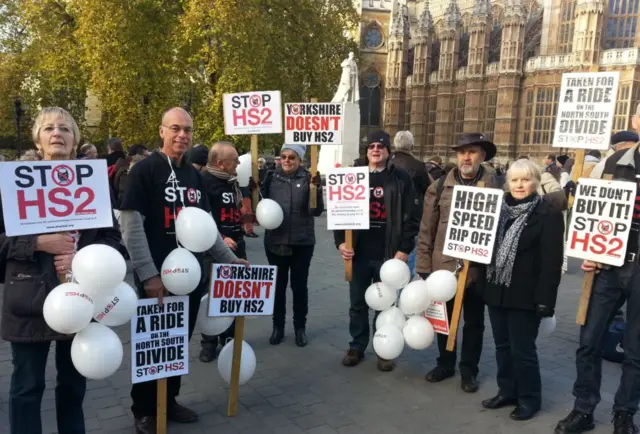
(290, 246)
(30, 265)
(520, 287)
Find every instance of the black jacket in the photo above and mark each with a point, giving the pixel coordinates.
(403, 215)
(292, 194)
(538, 265)
(224, 208)
(29, 276)
(416, 170)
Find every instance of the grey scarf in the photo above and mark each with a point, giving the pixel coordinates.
(221, 174)
(501, 267)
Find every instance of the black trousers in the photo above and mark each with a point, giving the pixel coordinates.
(212, 341)
(515, 333)
(144, 394)
(472, 332)
(297, 265)
(365, 272)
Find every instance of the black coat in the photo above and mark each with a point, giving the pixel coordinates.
(416, 170)
(538, 265)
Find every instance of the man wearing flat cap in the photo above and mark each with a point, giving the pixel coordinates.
(620, 140)
(471, 151)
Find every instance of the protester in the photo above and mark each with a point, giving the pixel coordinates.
(262, 169)
(590, 160)
(120, 177)
(620, 140)
(30, 155)
(197, 156)
(159, 186)
(30, 266)
(472, 149)
(520, 288)
(219, 178)
(88, 151)
(290, 246)
(612, 287)
(393, 225)
(434, 168)
(115, 151)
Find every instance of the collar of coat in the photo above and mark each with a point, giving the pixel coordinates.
(487, 178)
(628, 158)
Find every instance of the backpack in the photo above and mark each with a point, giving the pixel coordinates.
(439, 190)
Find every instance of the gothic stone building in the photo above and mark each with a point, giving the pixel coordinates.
(445, 67)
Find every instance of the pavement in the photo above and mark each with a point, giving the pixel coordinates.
(307, 390)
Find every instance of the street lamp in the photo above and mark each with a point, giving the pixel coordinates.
(19, 112)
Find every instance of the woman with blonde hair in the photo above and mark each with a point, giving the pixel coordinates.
(29, 269)
(520, 287)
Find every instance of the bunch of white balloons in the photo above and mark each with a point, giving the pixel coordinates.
(98, 293)
(401, 319)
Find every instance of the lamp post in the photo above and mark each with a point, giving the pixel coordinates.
(19, 112)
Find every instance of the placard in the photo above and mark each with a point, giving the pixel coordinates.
(313, 123)
(41, 197)
(252, 113)
(160, 339)
(586, 108)
(436, 313)
(348, 198)
(237, 290)
(601, 220)
(473, 222)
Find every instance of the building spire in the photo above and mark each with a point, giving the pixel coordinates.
(399, 25)
(425, 22)
(452, 15)
(481, 9)
(514, 7)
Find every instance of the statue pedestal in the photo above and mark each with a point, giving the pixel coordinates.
(343, 154)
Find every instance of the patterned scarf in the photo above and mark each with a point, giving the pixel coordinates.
(501, 267)
(221, 174)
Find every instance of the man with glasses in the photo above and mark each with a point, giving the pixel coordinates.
(393, 224)
(160, 186)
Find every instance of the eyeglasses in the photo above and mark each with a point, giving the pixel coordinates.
(288, 157)
(175, 129)
(379, 146)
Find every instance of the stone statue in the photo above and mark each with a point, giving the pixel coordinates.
(348, 89)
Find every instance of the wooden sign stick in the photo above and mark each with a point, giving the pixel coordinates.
(232, 407)
(313, 191)
(161, 406)
(254, 170)
(348, 264)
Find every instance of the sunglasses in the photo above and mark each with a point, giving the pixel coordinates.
(379, 146)
(288, 157)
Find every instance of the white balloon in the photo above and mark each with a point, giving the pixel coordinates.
(96, 352)
(418, 333)
(67, 308)
(269, 214)
(247, 362)
(196, 230)
(244, 170)
(98, 268)
(116, 308)
(441, 285)
(547, 326)
(181, 272)
(414, 297)
(393, 316)
(379, 296)
(388, 342)
(212, 326)
(395, 273)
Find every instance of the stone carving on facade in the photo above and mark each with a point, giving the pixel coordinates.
(452, 15)
(481, 9)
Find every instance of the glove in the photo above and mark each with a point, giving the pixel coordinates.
(543, 311)
(317, 180)
(423, 275)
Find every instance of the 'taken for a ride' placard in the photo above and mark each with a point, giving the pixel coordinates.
(237, 290)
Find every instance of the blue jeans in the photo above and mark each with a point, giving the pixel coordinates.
(611, 289)
(412, 262)
(28, 384)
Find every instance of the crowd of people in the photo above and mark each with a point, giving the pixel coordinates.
(408, 212)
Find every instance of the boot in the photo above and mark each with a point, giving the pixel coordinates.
(208, 354)
(145, 425)
(352, 357)
(277, 335)
(301, 337)
(623, 423)
(575, 423)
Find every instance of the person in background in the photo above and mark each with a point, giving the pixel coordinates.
(30, 155)
(590, 160)
(472, 149)
(520, 287)
(115, 151)
(262, 169)
(219, 178)
(393, 224)
(30, 267)
(120, 177)
(619, 141)
(434, 168)
(89, 151)
(290, 246)
(564, 176)
(197, 156)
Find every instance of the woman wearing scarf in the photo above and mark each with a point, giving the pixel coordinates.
(520, 288)
(290, 246)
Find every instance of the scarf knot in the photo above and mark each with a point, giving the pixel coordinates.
(231, 179)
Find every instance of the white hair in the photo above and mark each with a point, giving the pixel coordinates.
(525, 168)
(403, 140)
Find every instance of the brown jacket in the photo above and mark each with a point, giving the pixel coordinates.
(434, 224)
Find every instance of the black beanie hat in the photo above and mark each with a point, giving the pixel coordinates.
(379, 137)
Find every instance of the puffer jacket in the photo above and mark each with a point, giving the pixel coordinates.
(291, 192)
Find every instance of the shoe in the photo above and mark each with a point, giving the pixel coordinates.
(352, 357)
(385, 365)
(181, 414)
(301, 338)
(523, 412)
(145, 425)
(208, 354)
(623, 423)
(277, 335)
(499, 401)
(438, 374)
(251, 235)
(575, 423)
(469, 383)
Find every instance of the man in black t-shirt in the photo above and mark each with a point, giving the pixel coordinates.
(159, 187)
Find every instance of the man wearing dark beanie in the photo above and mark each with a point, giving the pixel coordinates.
(393, 224)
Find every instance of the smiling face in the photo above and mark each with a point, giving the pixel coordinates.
(176, 132)
(290, 161)
(377, 154)
(56, 139)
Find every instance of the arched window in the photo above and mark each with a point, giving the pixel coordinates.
(495, 43)
(620, 31)
(463, 51)
(567, 22)
(370, 99)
